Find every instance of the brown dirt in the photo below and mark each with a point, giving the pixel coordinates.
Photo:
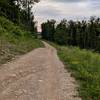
(38, 75)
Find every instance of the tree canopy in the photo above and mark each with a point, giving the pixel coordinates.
(85, 34)
(19, 11)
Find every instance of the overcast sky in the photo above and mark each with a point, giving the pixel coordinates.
(69, 9)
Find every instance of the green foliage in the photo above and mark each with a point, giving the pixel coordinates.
(18, 11)
(84, 34)
(48, 30)
(60, 35)
(85, 66)
(14, 40)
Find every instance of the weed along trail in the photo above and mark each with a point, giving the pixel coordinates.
(38, 75)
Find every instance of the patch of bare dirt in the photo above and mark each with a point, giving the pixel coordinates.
(38, 75)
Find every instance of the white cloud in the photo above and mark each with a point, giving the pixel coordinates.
(59, 9)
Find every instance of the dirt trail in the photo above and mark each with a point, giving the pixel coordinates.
(38, 75)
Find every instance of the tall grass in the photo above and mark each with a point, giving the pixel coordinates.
(85, 67)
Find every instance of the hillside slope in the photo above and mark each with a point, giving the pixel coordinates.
(15, 40)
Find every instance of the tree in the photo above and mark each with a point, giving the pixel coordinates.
(85, 34)
(48, 30)
(61, 36)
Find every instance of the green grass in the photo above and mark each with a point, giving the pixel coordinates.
(85, 67)
(14, 40)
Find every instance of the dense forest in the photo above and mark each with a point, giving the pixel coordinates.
(85, 34)
(19, 11)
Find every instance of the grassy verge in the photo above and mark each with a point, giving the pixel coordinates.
(14, 40)
(85, 67)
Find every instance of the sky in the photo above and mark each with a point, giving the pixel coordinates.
(69, 9)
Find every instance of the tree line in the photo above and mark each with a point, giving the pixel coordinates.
(85, 34)
(19, 11)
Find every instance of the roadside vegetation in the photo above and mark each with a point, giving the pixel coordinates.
(85, 67)
(14, 40)
(17, 29)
